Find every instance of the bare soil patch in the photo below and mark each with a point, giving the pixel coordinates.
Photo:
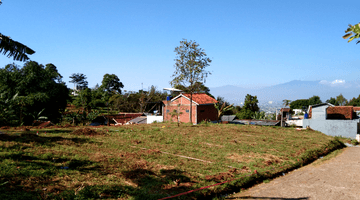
(87, 132)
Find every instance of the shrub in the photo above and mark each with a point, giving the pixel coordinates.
(354, 142)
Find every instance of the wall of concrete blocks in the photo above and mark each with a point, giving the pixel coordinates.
(345, 128)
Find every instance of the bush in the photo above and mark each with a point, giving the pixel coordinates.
(245, 114)
(354, 142)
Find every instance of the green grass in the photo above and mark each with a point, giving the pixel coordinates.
(144, 161)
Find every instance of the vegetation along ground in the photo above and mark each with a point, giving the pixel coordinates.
(149, 161)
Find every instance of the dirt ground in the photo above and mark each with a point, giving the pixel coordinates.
(337, 178)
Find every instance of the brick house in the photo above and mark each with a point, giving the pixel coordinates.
(202, 108)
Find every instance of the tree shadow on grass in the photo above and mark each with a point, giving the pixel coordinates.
(54, 131)
(25, 181)
(32, 177)
(151, 185)
(48, 141)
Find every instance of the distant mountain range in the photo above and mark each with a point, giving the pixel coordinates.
(291, 90)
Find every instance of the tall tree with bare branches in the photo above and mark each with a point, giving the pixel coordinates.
(190, 67)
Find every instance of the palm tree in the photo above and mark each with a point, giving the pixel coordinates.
(286, 102)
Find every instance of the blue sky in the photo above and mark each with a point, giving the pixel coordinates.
(252, 43)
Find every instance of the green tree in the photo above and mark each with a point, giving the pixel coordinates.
(299, 104)
(249, 108)
(353, 32)
(245, 114)
(354, 101)
(286, 102)
(314, 100)
(251, 103)
(176, 113)
(199, 88)
(190, 67)
(341, 100)
(333, 101)
(85, 100)
(259, 115)
(37, 87)
(79, 81)
(14, 49)
(111, 83)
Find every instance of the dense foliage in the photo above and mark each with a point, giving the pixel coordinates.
(28, 90)
(301, 103)
(354, 101)
(298, 104)
(249, 108)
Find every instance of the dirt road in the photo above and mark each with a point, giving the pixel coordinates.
(337, 178)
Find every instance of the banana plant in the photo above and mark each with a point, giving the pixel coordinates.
(222, 108)
(7, 110)
(37, 116)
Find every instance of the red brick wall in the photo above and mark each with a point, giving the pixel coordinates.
(184, 105)
(210, 112)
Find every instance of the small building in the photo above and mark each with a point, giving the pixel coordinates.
(286, 113)
(333, 120)
(203, 108)
(297, 111)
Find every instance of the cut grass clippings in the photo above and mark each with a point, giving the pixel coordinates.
(150, 161)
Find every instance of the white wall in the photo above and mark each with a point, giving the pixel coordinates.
(150, 119)
(298, 122)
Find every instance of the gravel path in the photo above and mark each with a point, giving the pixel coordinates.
(337, 178)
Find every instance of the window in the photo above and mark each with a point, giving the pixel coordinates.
(187, 111)
(167, 111)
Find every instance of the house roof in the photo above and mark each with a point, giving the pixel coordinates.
(198, 98)
(322, 104)
(317, 105)
(340, 112)
(285, 110)
(356, 108)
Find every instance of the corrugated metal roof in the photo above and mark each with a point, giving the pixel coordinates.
(139, 120)
(228, 118)
(256, 122)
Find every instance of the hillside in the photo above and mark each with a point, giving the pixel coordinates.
(291, 90)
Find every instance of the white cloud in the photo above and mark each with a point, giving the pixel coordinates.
(337, 82)
(324, 82)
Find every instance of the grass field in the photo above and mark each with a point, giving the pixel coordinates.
(150, 161)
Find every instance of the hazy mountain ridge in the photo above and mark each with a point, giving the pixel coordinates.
(291, 90)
